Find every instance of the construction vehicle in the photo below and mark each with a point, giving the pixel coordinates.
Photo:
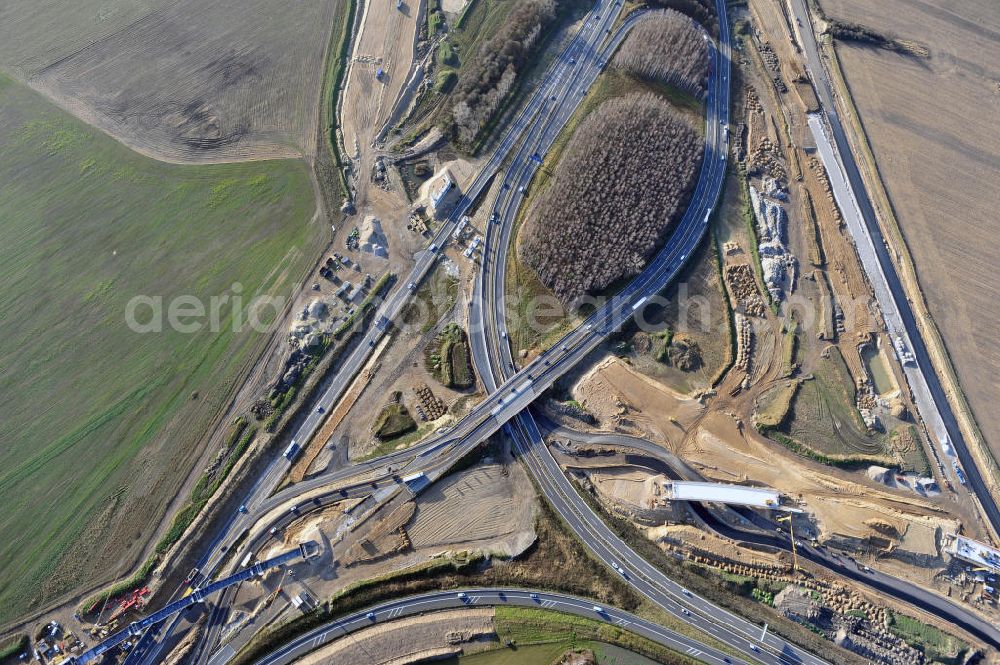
(795, 552)
(959, 473)
(132, 600)
(265, 603)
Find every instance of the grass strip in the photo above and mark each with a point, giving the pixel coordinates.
(521, 626)
(12, 647)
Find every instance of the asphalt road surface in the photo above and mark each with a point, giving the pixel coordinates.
(480, 597)
(554, 100)
(899, 300)
(767, 534)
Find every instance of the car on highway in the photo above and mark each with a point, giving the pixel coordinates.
(319, 409)
(462, 595)
(411, 286)
(598, 609)
(534, 597)
(370, 616)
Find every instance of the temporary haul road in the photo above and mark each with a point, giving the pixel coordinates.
(560, 90)
(767, 535)
(494, 362)
(555, 82)
(495, 366)
(488, 416)
(852, 197)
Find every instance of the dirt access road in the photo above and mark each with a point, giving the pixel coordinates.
(386, 40)
(930, 124)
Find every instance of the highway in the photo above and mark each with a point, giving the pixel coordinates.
(553, 84)
(495, 365)
(511, 393)
(519, 390)
(480, 597)
(445, 450)
(767, 534)
(935, 408)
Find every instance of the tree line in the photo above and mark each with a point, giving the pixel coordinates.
(486, 81)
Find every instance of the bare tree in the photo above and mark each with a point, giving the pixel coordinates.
(668, 48)
(621, 184)
(489, 78)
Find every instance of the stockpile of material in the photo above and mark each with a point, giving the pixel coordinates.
(777, 263)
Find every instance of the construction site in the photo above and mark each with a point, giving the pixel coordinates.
(783, 416)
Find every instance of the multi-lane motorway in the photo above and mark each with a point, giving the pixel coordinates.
(485, 597)
(495, 365)
(531, 132)
(766, 533)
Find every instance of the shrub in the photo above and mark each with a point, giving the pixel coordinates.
(445, 81)
(447, 358)
(14, 646)
(446, 55)
(669, 49)
(435, 22)
(622, 183)
(394, 420)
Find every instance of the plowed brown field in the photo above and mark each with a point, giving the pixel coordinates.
(179, 81)
(932, 125)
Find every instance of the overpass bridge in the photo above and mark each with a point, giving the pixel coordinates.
(734, 495)
(136, 628)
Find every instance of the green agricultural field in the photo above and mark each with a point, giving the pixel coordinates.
(101, 424)
(530, 629)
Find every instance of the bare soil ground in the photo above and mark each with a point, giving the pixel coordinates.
(627, 401)
(490, 507)
(386, 42)
(482, 504)
(631, 485)
(841, 504)
(184, 82)
(935, 142)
